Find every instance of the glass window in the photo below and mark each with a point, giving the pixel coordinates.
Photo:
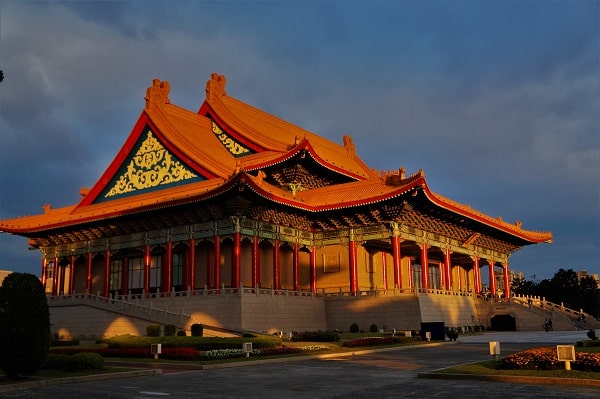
(136, 273)
(178, 270)
(155, 270)
(116, 272)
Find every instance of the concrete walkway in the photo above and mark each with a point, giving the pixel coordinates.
(527, 337)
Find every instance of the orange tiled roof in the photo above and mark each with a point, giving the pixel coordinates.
(190, 137)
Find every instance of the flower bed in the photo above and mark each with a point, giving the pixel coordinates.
(546, 359)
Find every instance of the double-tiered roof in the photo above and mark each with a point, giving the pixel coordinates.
(229, 158)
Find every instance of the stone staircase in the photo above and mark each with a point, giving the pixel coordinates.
(144, 310)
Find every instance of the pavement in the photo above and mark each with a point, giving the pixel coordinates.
(384, 373)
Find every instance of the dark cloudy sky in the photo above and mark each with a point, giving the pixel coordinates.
(498, 102)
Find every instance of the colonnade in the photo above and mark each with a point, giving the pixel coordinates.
(183, 265)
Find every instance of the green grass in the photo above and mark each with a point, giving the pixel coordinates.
(490, 367)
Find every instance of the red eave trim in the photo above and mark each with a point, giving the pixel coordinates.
(432, 197)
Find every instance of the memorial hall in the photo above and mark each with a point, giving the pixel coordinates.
(236, 219)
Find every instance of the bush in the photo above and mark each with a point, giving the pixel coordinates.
(153, 330)
(86, 361)
(63, 342)
(181, 333)
(197, 330)
(24, 325)
(57, 361)
(169, 330)
(316, 336)
(373, 328)
(354, 328)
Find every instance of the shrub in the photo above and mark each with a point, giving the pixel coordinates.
(86, 361)
(354, 328)
(24, 325)
(169, 330)
(316, 336)
(57, 361)
(64, 342)
(153, 330)
(181, 333)
(373, 328)
(588, 343)
(197, 330)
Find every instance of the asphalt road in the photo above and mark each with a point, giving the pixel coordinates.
(381, 375)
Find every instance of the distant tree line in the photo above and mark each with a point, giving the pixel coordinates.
(566, 288)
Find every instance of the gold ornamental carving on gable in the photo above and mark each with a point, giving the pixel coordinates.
(151, 166)
(232, 146)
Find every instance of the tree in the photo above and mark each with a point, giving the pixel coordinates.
(24, 325)
(589, 294)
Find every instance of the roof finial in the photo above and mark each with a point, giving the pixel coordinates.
(216, 86)
(349, 145)
(158, 93)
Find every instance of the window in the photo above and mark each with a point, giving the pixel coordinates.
(178, 260)
(155, 270)
(136, 274)
(116, 272)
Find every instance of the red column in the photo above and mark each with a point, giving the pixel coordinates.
(71, 274)
(236, 260)
(125, 276)
(397, 258)
(313, 269)
(106, 286)
(276, 266)
(506, 280)
(217, 264)
(191, 266)
(448, 270)
(476, 277)
(88, 274)
(147, 261)
(492, 278)
(411, 282)
(44, 272)
(167, 282)
(384, 270)
(55, 273)
(295, 282)
(424, 267)
(352, 265)
(255, 262)
(210, 265)
(61, 282)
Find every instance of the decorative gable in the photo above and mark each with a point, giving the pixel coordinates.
(236, 149)
(149, 167)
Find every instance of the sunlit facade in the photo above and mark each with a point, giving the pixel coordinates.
(230, 196)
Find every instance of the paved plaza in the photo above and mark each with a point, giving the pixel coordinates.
(372, 374)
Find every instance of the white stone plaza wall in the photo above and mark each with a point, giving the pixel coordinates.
(81, 322)
(264, 313)
(394, 311)
(453, 310)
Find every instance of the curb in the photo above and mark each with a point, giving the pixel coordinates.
(71, 380)
(513, 378)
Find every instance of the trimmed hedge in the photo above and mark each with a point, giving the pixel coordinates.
(86, 361)
(316, 336)
(58, 361)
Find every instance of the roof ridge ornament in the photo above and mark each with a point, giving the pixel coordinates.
(216, 86)
(349, 144)
(158, 93)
